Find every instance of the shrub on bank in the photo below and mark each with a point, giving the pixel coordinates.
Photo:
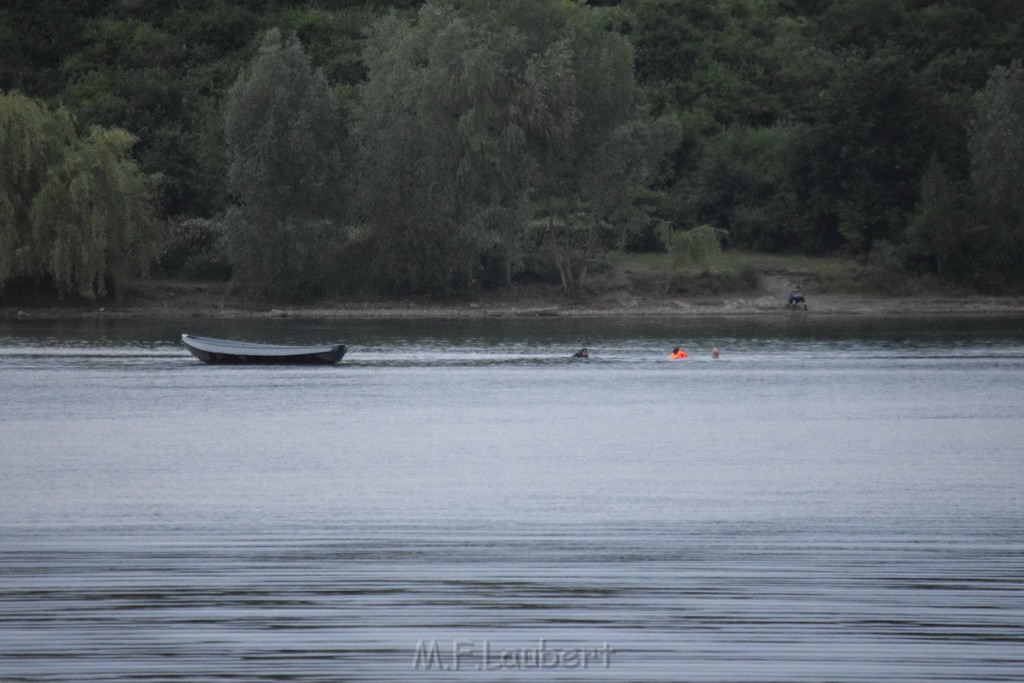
(192, 249)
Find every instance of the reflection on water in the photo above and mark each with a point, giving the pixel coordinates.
(839, 502)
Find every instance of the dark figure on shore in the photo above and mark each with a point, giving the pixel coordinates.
(582, 353)
(796, 299)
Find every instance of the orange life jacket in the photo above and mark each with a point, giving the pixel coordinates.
(676, 355)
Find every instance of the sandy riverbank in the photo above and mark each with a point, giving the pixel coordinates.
(183, 300)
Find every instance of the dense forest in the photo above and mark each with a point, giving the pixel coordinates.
(304, 148)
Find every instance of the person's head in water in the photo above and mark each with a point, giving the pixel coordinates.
(714, 352)
(582, 353)
(675, 350)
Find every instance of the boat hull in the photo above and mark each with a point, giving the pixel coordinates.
(229, 352)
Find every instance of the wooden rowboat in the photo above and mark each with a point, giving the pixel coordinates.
(229, 351)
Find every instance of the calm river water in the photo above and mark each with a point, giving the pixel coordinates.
(458, 501)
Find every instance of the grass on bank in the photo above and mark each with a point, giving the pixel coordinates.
(737, 271)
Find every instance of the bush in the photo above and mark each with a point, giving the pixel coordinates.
(749, 276)
(192, 248)
(698, 247)
(884, 273)
(881, 273)
(645, 238)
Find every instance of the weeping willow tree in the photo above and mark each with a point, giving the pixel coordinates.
(32, 139)
(698, 247)
(74, 210)
(91, 221)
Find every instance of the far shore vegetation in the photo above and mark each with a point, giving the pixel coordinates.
(303, 150)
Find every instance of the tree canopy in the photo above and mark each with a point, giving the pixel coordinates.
(479, 140)
(475, 117)
(284, 175)
(997, 155)
(73, 209)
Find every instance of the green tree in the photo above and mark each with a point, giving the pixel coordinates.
(858, 165)
(744, 188)
(35, 37)
(479, 115)
(32, 140)
(698, 247)
(76, 211)
(739, 61)
(457, 108)
(997, 156)
(588, 182)
(128, 75)
(92, 219)
(943, 234)
(736, 74)
(868, 25)
(597, 205)
(283, 133)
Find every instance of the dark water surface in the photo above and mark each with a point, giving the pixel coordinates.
(828, 501)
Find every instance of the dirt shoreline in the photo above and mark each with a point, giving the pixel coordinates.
(187, 300)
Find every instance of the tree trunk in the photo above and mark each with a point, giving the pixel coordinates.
(564, 271)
